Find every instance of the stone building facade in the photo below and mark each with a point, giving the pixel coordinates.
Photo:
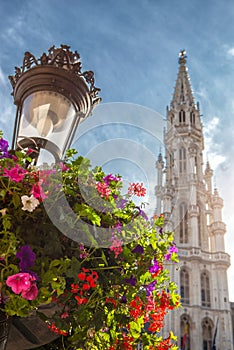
(193, 210)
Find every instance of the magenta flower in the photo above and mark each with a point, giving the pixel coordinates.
(155, 267)
(108, 178)
(31, 293)
(19, 282)
(38, 192)
(15, 174)
(63, 166)
(118, 226)
(173, 249)
(27, 257)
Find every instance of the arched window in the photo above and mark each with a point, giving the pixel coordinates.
(183, 212)
(205, 290)
(192, 118)
(206, 334)
(184, 286)
(182, 160)
(181, 116)
(185, 333)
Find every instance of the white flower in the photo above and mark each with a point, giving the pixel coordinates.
(29, 203)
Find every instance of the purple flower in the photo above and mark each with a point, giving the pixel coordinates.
(142, 213)
(150, 287)
(123, 298)
(155, 267)
(173, 249)
(108, 178)
(3, 145)
(4, 149)
(138, 249)
(132, 280)
(117, 227)
(26, 256)
(121, 203)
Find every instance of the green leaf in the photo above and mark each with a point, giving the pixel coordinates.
(86, 211)
(18, 306)
(6, 221)
(16, 200)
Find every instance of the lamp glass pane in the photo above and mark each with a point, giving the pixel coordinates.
(47, 115)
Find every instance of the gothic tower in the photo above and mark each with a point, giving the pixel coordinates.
(193, 210)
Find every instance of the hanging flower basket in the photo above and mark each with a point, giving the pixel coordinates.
(5, 321)
(71, 239)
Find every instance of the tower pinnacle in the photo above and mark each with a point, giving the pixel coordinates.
(183, 92)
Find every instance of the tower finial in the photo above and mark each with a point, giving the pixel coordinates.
(182, 57)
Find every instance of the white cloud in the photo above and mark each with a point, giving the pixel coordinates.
(230, 51)
(212, 149)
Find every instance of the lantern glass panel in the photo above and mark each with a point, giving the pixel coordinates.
(47, 115)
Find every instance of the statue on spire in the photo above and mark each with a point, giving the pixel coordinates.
(182, 57)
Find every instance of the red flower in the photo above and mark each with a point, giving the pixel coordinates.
(137, 189)
(86, 286)
(56, 330)
(74, 288)
(136, 308)
(81, 276)
(112, 301)
(81, 300)
(91, 281)
(103, 189)
(127, 342)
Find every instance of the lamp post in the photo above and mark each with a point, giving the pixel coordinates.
(52, 96)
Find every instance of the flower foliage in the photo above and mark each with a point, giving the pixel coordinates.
(110, 293)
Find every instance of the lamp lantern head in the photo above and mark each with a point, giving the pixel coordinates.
(52, 96)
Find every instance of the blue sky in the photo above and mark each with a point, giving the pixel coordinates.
(132, 46)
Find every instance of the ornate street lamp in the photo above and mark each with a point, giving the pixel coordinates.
(52, 96)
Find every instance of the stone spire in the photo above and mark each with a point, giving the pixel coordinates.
(183, 95)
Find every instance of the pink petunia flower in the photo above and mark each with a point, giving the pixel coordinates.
(38, 192)
(19, 282)
(63, 166)
(31, 293)
(15, 174)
